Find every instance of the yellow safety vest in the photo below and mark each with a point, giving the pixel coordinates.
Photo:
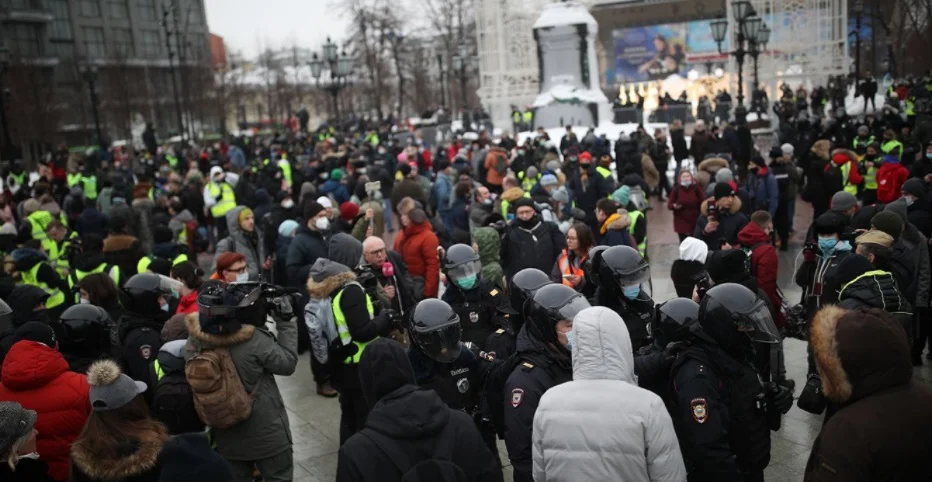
(847, 186)
(159, 373)
(516, 117)
(226, 203)
(528, 183)
(870, 176)
(892, 148)
(528, 116)
(145, 261)
(39, 221)
(342, 328)
(285, 166)
(73, 179)
(31, 277)
(56, 253)
(77, 275)
(505, 205)
(642, 246)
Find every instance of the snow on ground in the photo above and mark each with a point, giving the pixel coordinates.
(854, 106)
(569, 93)
(611, 130)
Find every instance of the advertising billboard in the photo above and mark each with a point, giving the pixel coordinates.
(658, 51)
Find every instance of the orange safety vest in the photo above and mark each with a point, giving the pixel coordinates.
(566, 268)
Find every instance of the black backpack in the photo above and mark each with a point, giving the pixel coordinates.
(173, 404)
(438, 468)
(833, 178)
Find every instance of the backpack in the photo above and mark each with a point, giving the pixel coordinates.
(501, 163)
(833, 179)
(220, 398)
(321, 327)
(438, 468)
(173, 404)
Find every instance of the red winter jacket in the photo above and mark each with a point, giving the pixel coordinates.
(187, 304)
(690, 199)
(764, 267)
(890, 179)
(417, 244)
(38, 378)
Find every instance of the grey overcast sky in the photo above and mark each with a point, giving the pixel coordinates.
(249, 26)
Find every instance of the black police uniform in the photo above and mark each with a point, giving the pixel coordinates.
(637, 313)
(539, 369)
(719, 415)
(480, 311)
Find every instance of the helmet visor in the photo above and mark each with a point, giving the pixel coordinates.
(572, 308)
(634, 277)
(442, 345)
(464, 270)
(758, 324)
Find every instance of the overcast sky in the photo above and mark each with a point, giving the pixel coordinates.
(249, 26)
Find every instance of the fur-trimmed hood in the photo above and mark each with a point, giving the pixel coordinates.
(192, 321)
(132, 459)
(324, 288)
(851, 155)
(859, 352)
(513, 194)
(712, 165)
(822, 149)
(735, 206)
(119, 242)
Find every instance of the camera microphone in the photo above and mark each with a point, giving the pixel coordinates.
(388, 270)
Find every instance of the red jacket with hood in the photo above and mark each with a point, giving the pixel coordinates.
(418, 244)
(839, 158)
(187, 304)
(764, 267)
(890, 179)
(38, 378)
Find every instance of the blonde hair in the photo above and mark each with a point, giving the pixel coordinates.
(12, 458)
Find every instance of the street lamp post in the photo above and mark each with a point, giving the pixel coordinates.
(166, 11)
(443, 71)
(748, 31)
(461, 63)
(4, 66)
(858, 12)
(89, 72)
(340, 66)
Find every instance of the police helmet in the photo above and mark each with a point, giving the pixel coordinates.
(733, 316)
(142, 292)
(622, 266)
(550, 305)
(524, 284)
(462, 266)
(592, 263)
(673, 321)
(85, 329)
(435, 329)
(225, 307)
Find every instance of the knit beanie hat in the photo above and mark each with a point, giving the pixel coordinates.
(787, 149)
(325, 202)
(775, 152)
(840, 158)
(843, 201)
(548, 180)
(622, 195)
(287, 227)
(312, 209)
(725, 264)
(349, 211)
(723, 189)
(888, 222)
(525, 201)
(852, 267)
(37, 332)
(15, 423)
(899, 208)
(336, 175)
(914, 187)
(188, 457)
(30, 206)
(758, 161)
(110, 388)
(724, 175)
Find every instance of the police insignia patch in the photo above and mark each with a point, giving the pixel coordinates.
(700, 410)
(145, 351)
(473, 317)
(517, 396)
(493, 292)
(463, 385)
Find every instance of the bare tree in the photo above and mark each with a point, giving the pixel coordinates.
(455, 26)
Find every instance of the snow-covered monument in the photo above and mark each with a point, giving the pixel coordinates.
(569, 74)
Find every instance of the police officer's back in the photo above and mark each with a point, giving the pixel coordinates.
(722, 413)
(145, 298)
(621, 273)
(521, 289)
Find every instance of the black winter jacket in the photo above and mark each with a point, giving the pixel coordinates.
(304, 250)
(537, 247)
(877, 289)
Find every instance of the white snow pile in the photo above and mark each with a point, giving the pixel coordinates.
(565, 13)
(569, 94)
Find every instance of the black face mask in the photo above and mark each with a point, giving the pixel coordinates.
(530, 223)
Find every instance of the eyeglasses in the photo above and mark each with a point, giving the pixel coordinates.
(376, 252)
(238, 271)
(574, 238)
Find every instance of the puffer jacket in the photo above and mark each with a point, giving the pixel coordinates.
(257, 356)
(39, 379)
(601, 425)
(863, 359)
(418, 244)
(489, 251)
(238, 242)
(877, 289)
(729, 225)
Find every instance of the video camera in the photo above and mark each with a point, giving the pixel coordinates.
(258, 300)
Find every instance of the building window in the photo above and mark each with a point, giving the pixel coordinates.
(147, 10)
(122, 42)
(24, 39)
(24, 5)
(149, 44)
(60, 27)
(90, 8)
(94, 44)
(119, 9)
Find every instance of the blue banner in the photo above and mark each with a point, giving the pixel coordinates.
(649, 53)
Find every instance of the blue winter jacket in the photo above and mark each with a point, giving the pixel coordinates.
(763, 192)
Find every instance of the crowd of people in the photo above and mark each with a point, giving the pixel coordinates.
(459, 293)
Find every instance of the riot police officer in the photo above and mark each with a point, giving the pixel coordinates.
(722, 412)
(541, 362)
(479, 304)
(87, 335)
(671, 329)
(523, 286)
(621, 272)
(146, 300)
(590, 269)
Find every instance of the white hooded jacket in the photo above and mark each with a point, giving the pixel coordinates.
(601, 426)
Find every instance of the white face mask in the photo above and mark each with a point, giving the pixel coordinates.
(85, 301)
(287, 204)
(242, 277)
(322, 224)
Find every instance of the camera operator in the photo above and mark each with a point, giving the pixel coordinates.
(384, 275)
(721, 219)
(232, 317)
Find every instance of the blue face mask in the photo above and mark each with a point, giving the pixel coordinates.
(631, 292)
(827, 245)
(843, 246)
(570, 340)
(467, 283)
(929, 155)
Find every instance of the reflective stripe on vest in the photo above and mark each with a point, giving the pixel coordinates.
(870, 178)
(226, 203)
(31, 277)
(77, 275)
(642, 246)
(145, 261)
(567, 269)
(847, 186)
(893, 148)
(342, 328)
(506, 204)
(285, 166)
(605, 172)
(159, 373)
(40, 222)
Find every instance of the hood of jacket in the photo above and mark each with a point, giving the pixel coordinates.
(513, 194)
(384, 370)
(602, 348)
(692, 249)
(345, 249)
(337, 275)
(822, 149)
(183, 217)
(848, 153)
(735, 206)
(119, 242)
(26, 258)
(171, 356)
(712, 164)
(131, 458)
(859, 353)
(233, 223)
(30, 365)
(876, 289)
(192, 321)
(22, 300)
(616, 222)
(752, 234)
(489, 245)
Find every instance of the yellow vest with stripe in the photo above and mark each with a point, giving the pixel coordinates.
(145, 261)
(870, 176)
(847, 186)
(56, 253)
(528, 183)
(285, 166)
(505, 204)
(77, 275)
(642, 246)
(604, 172)
(892, 148)
(31, 277)
(340, 319)
(39, 221)
(225, 204)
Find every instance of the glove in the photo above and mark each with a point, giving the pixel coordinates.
(809, 254)
(283, 308)
(779, 398)
(338, 351)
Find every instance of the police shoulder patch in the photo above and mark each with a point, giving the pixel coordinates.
(499, 331)
(700, 410)
(145, 351)
(517, 396)
(494, 292)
